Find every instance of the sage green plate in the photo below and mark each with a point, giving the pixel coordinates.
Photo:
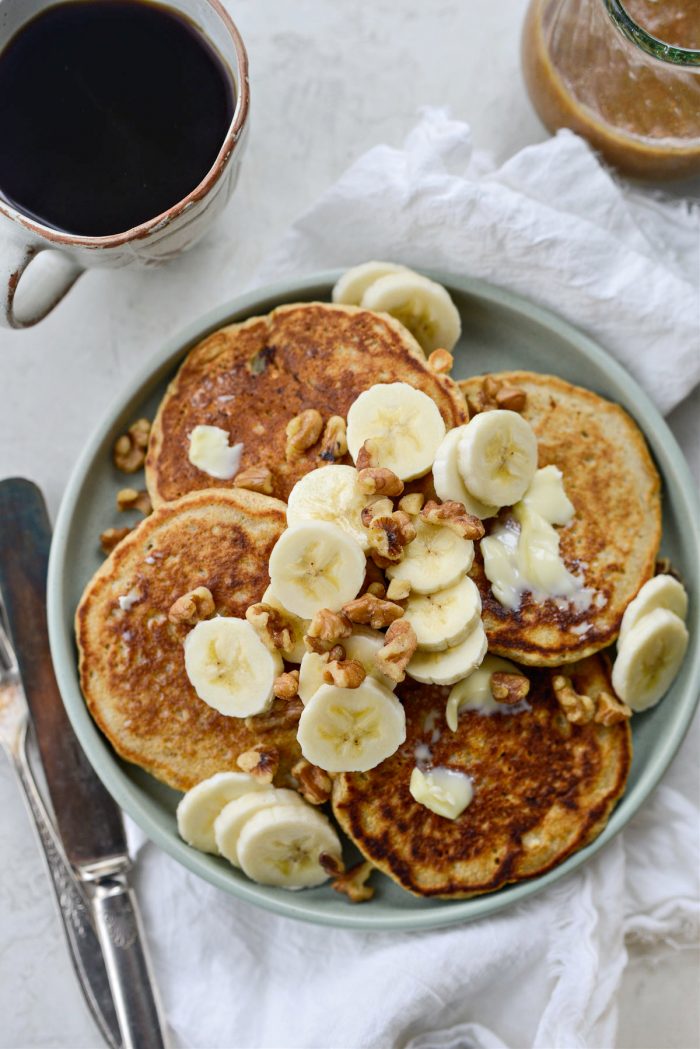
(500, 330)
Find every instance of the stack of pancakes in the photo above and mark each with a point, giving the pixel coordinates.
(544, 787)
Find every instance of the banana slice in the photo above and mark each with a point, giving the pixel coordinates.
(448, 480)
(351, 729)
(474, 691)
(443, 619)
(350, 288)
(298, 628)
(404, 424)
(234, 816)
(362, 645)
(663, 591)
(445, 668)
(229, 666)
(497, 457)
(330, 493)
(199, 807)
(435, 560)
(311, 674)
(316, 565)
(649, 658)
(421, 305)
(282, 846)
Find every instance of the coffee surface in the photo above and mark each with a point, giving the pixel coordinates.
(111, 111)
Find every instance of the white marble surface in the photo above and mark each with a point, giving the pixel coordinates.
(329, 78)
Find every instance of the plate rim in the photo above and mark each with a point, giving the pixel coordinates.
(125, 792)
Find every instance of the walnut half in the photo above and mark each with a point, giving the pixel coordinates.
(134, 499)
(326, 629)
(579, 709)
(372, 611)
(260, 761)
(192, 607)
(129, 452)
(453, 515)
(398, 649)
(111, 536)
(255, 479)
(302, 432)
(314, 783)
(610, 710)
(345, 673)
(353, 883)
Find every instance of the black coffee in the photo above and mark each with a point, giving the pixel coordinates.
(111, 111)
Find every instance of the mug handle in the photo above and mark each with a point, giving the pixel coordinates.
(47, 289)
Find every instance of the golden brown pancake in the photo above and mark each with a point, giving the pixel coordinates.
(132, 668)
(250, 379)
(543, 788)
(611, 479)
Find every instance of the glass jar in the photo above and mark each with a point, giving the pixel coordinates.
(627, 78)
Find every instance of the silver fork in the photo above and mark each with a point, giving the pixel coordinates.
(72, 902)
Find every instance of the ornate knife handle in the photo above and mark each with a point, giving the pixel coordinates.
(72, 904)
(118, 926)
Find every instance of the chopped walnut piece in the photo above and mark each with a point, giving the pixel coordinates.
(440, 361)
(511, 398)
(129, 452)
(454, 516)
(378, 589)
(286, 686)
(477, 403)
(314, 783)
(334, 443)
(134, 499)
(372, 611)
(367, 455)
(509, 688)
(665, 567)
(398, 589)
(271, 625)
(282, 715)
(336, 653)
(302, 432)
(579, 709)
(377, 480)
(490, 386)
(111, 536)
(398, 649)
(260, 761)
(325, 629)
(412, 503)
(610, 709)
(192, 607)
(345, 673)
(255, 479)
(388, 536)
(380, 507)
(353, 883)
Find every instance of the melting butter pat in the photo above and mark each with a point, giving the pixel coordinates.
(210, 452)
(444, 791)
(522, 554)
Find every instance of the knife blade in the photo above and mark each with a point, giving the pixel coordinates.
(89, 822)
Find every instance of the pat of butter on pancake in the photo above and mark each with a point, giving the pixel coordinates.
(210, 452)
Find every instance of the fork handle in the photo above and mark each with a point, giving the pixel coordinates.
(72, 904)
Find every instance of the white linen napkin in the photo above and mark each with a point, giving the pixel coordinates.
(553, 225)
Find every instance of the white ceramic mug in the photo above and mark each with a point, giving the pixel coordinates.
(152, 242)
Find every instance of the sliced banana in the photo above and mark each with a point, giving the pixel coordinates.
(350, 288)
(234, 816)
(443, 619)
(311, 672)
(448, 480)
(421, 305)
(649, 658)
(363, 645)
(663, 591)
(229, 667)
(282, 845)
(474, 691)
(404, 424)
(436, 559)
(449, 666)
(199, 807)
(316, 565)
(330, 493)
(351, 729)
(298, 628)
(497, 457)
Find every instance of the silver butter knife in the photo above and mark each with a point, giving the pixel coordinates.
(90, 832)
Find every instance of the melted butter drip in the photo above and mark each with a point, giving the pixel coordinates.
(522, 554)
(444, 791)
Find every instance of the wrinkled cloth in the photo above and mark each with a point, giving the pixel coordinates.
(551, 224)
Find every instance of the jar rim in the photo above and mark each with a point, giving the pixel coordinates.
(688, 58)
